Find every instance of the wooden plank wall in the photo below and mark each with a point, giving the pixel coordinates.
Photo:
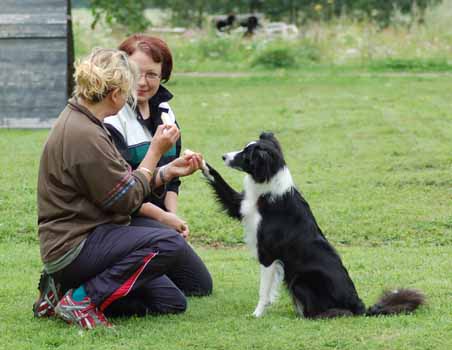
(34, 58)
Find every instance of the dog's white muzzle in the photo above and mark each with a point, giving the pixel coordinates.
(228, 157)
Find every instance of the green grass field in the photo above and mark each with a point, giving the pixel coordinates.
(372, 155)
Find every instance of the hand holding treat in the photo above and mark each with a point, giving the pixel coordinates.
(185, 165)
(189, 152)
(164, 138)
(167, 120)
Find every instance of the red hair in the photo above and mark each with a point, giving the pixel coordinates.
(152, 46)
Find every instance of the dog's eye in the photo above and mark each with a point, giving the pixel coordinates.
(247, 155)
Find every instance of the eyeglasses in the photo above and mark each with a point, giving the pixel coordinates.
(150, 76)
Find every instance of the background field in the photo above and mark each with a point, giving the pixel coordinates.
(371, 153)
(364, 118)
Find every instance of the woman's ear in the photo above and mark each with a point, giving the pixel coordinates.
(116, 95)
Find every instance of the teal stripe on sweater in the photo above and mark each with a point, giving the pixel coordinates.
(137, 153)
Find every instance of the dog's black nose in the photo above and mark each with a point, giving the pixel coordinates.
(223, 157)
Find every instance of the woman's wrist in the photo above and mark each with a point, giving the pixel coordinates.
(161, 215)
(165, 173)
(155, 150)
(159, 181)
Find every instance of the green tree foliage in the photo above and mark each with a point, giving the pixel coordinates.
(377, 10)
(129, 13)
(382, 11)
(191, 13)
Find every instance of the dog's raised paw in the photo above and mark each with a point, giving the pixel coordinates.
(205, 171)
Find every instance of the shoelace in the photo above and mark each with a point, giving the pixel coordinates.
(93, 308)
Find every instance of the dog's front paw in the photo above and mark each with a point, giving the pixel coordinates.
(259, 311)
(205, 169)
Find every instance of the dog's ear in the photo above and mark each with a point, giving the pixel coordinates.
(270, 137)
(267, 136)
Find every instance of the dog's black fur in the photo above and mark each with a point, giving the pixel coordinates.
(224, 25)
(288, 233)
(250, 22)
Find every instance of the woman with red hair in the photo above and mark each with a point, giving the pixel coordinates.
(132, 130)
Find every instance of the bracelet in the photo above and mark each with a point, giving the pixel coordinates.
(146, 170)
(162, 188)
(161, 173)
(154, 178)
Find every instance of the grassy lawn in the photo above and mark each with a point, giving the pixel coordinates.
(372, 155)
(223, 321)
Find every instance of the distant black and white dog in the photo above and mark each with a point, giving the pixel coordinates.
(282, 233)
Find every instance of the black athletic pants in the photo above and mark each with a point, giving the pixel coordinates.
(142, 268)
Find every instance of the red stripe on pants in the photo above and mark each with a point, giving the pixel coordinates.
(126, 287)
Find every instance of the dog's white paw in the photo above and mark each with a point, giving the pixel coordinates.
(205, 171)
(260, 310)
(258, 313)
(204, 168)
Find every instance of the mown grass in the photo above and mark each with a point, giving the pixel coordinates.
(223, 320)
(370, 152)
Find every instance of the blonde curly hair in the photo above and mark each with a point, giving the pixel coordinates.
(101, 72)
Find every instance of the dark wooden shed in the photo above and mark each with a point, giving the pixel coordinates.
(36, 61)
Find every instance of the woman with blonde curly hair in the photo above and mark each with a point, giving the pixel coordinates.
(96, 260)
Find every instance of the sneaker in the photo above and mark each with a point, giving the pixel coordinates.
(48, 297)
(83, 313)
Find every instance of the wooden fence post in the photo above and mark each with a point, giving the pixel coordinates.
(36, 61)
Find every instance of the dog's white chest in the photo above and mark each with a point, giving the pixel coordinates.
(251, 220)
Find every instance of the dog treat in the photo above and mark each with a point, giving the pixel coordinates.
(189, 152)
(166, 119)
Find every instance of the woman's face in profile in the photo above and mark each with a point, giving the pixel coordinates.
(150, 77)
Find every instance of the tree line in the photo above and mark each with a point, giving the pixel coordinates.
(130, 13)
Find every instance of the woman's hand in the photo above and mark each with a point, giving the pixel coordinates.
(164, 138)
(183, 166)
(173, 221)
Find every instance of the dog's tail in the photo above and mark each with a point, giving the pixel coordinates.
(399, 301)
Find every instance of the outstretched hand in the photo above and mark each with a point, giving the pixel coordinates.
(185, 165)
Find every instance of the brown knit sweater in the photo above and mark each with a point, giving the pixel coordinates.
(83, 182)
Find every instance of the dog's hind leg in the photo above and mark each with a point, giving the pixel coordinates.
(332, 313)
(277, 279)
(267, 281)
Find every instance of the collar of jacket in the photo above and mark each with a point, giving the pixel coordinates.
(162, 95)
(74, 105)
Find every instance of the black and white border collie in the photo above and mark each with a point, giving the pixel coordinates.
(281, 231)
